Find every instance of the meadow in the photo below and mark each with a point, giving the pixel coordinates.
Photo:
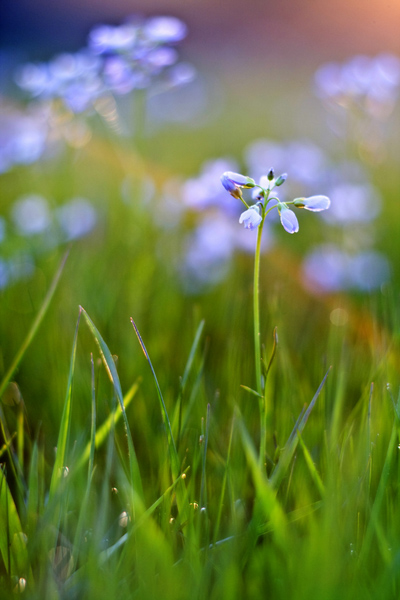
(152, 446)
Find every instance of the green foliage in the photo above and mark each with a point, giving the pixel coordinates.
(160, 485)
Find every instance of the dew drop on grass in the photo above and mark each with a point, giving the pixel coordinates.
(20, 586)
(123, 519)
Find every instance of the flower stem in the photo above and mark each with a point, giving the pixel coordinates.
(256, 309)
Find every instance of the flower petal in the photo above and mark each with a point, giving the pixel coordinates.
(251, 218)
(288, 219)
(313, 203)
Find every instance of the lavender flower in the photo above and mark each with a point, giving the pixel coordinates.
(251, 218)
(288, 218)
(313, 203)
(233, 182)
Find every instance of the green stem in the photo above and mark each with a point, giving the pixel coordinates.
(256, 309)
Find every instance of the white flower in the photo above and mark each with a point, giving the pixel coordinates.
(251, 218)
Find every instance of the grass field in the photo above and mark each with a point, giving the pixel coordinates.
(133, 460)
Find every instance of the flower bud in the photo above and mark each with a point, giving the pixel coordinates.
(313, 203)
(288, 218)
(251, 218)
(232, 182)
(270, 174)
(281, 179)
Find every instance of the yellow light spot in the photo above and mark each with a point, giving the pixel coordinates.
(339, 317)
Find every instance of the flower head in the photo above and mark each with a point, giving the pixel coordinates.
(313, 203)
(288, 218)
(251, 218)
(233, 182)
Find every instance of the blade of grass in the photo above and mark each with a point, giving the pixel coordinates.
(373, 524)
(173, 454)
(311, 467)
(109, 364)
(267, 506)
(110, 551)
(203, 486)
(290, 447)
(33, 490)
(103, 431)
(34, 327)
(65, 425)
(223, 487)
(185, 377)
(84, 505)
(12, 539)
(171, 442)
(14, 464)
(263, 402)
(93, 425)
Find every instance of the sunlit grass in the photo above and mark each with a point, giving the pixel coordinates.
(131, 468)
(319, 518)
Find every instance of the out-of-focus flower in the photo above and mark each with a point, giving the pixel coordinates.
(328, 268)
(165, 29)
(313, 203)
(31, 214)
(288, 218)
(77, 218)
(251, 218)
(209, 252)
(118, 59)
(360, 79)
(22, 137)
(307, 161)
(205, 191)
(108, 38)
(353, 203)
(74, 78)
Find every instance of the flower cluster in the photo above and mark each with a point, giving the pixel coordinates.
(140, 54)
(360, 95)
(372, 83)
(117, 59)
(255, 214)
(33, 227)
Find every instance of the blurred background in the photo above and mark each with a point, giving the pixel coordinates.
(115, 128)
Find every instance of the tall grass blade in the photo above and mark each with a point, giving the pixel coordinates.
(12, 539)
(65, 425)
(290, 447)
(185, 376)
(173, 454)
(311, 467)
(104, 430)
(33, 490)
(34, 327)
(171, 442)
(374, 524)
(267, 507)
(109, 364)
(223, 487)
(203, 486)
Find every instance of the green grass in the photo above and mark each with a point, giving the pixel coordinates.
(130, 462)
(109, 515)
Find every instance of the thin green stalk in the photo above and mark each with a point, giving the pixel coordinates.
(256, 309)
(35, 326)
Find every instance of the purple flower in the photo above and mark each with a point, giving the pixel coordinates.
(251, 218)
(313, 203)
(288, 218)
(232, 182)
(165, 29)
